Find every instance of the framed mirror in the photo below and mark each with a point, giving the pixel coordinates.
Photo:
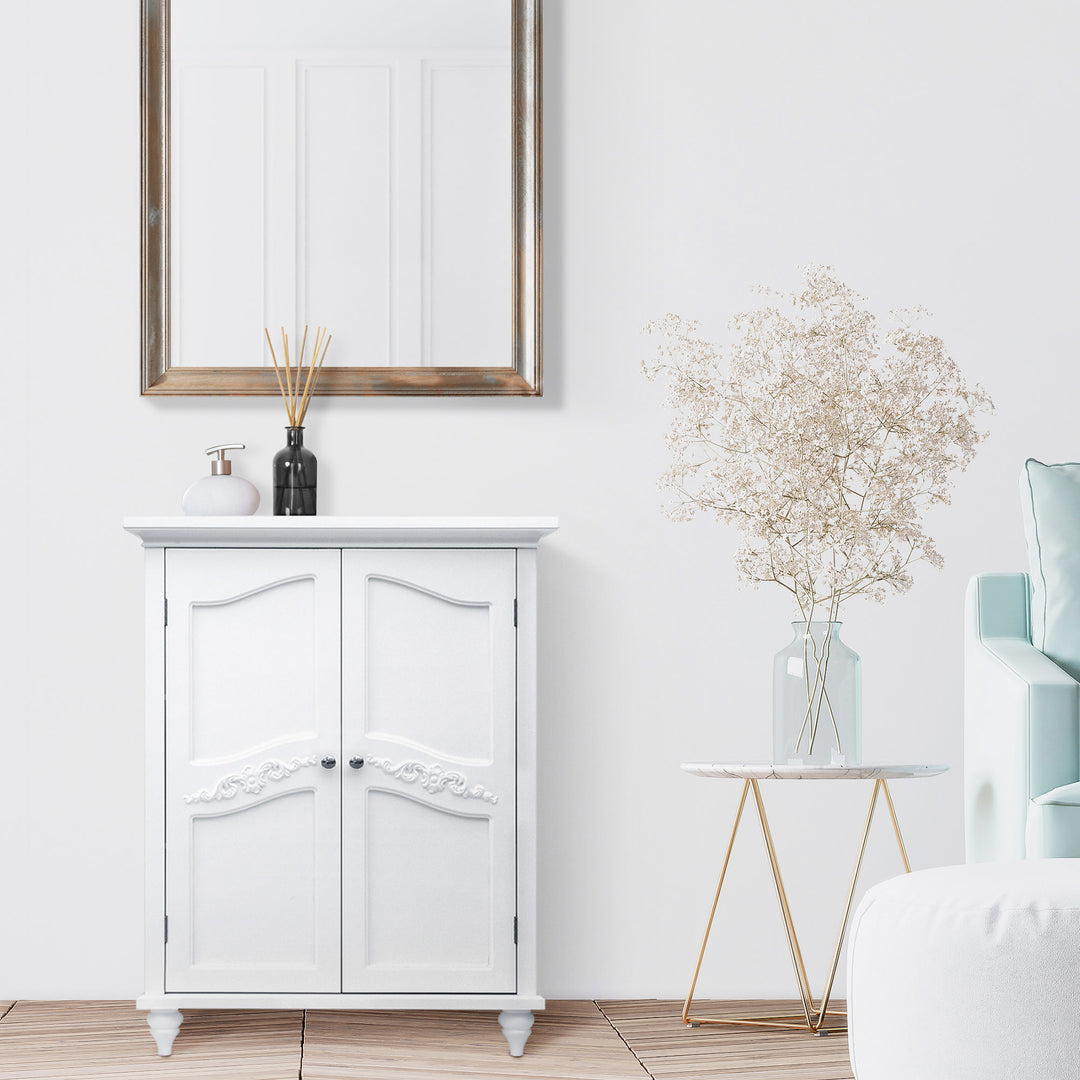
(373, 166)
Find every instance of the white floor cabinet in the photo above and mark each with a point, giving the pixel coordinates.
(340, 765)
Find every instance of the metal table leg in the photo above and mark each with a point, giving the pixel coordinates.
(813, 1016)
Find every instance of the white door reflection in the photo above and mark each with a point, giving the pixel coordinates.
(347, 163)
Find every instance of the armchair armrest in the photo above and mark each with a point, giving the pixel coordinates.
(1021, 720)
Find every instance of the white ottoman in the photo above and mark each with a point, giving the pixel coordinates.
(968, 973)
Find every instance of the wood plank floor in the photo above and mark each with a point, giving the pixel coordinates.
(670, 1051)
(571, 1040)
(567, 1038)
(103, 1040)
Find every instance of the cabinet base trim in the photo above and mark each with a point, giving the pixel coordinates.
(359, 1002)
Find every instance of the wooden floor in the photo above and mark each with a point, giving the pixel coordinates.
(572, 1040)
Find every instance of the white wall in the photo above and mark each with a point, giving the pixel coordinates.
(693, 148)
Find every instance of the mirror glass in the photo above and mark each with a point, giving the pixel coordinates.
(367, 165)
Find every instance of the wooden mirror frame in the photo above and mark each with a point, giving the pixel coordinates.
(522, 377)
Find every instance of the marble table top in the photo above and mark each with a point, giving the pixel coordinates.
(763, 770)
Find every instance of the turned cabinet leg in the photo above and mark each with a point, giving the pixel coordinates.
(516, 1027)
(164, 1024)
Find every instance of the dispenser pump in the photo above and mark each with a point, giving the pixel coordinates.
(221, 465)
(221, 493)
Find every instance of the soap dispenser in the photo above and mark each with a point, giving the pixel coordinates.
(221, 493)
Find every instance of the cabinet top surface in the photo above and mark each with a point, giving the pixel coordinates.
(325, 531)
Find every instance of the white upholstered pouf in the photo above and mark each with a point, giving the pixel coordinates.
(968, 973)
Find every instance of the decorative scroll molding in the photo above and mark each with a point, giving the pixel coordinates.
(434, 779)
(251, 780)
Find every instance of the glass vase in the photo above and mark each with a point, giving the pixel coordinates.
(295, 476)
(817, 699)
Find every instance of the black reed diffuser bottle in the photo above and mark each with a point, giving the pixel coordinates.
(295, 467)
(296, 474)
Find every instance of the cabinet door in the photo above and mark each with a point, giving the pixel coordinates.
(252, 885)
(428, 821)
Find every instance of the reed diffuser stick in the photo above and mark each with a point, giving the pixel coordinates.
(299, 368)
(277, 370)
(310, 372)
(313, 376)
(297, 388)
(288, 378)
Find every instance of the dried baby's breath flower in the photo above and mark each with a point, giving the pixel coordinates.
(822, 443)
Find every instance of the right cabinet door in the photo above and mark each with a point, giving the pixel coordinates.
(429, 818)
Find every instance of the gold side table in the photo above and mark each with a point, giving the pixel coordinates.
(813, 1015)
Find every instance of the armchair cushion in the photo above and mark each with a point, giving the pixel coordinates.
(1066, 795)
(1050, 498)
(1053, 824)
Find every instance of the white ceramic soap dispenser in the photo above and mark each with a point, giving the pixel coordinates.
(221, 493)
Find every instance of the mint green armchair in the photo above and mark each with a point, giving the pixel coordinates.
(1021, 732)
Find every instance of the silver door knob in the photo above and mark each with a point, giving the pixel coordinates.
(329, 762)
(356, 762)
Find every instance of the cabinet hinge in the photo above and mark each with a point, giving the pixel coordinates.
(515, 929)
(167, 930)
(166, 611)
(515, 611)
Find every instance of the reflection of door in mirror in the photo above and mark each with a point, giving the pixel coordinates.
(346, 163)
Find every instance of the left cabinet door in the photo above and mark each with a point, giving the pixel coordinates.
(252, 813)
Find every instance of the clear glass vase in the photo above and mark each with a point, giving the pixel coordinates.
(817, 699)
